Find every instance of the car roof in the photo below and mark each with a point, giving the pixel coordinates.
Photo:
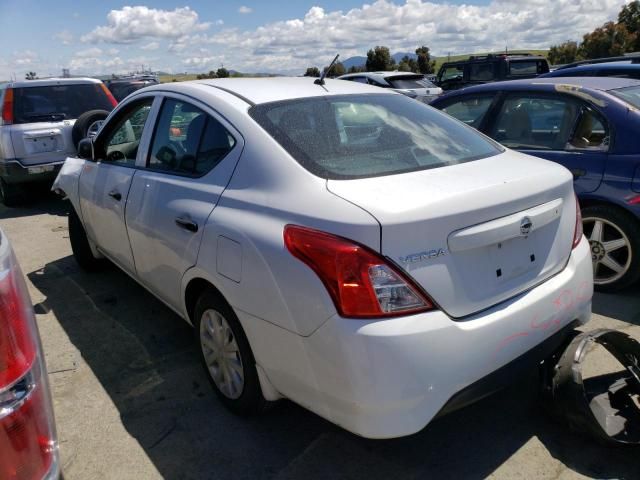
(47, 82)
(590, 83)
(274, 89)
(494, 58)
(386, 74)
(622, 64)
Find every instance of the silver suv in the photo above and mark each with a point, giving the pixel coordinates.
(414, 85)
(42, 122)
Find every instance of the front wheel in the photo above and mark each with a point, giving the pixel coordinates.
(80, 245)
(226, 356)
(614, 239)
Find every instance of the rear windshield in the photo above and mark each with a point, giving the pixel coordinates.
(630, 95)
(57, 102)
(410, 82)
(360, 136)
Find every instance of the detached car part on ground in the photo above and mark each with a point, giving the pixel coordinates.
(343, 246)
(589, 125)
(28, 443)
(42, 122)
(606, 407)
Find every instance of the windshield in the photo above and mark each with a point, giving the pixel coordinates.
(410, 82)
(360, 136)
(54, 103)
(630, 95)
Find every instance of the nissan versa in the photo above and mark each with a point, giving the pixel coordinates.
(346, 247)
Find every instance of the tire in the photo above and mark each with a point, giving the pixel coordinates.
(80, 245)
(245, 400)
(11, 195)
(615, 226)
(84, 122)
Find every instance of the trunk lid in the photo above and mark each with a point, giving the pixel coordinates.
(474, 234)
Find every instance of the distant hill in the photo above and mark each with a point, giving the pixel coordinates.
(361, 61)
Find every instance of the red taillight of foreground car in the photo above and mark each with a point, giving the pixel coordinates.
(28, 448)
(361, 283)
(7, 107)
(577, 232)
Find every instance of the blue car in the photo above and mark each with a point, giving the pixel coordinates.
(620, 69)
(591, 125)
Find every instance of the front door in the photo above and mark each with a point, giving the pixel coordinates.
(105, 183)
(191, 159)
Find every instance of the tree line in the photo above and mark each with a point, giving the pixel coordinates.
(609, 40)
(379, 59)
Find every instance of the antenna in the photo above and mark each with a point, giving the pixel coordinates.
(320, 81)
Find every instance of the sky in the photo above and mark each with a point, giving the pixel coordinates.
(103, 37)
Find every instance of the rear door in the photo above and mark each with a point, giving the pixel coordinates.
(104, 184)
(191, 159)
(559, 128)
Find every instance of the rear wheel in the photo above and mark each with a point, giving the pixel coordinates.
(80, 245)
(614, 238)
(11, 195)
(226, 355)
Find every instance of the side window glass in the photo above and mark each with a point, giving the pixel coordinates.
(187, 141)
(470, 110)
(481, 72)
(121, 144)
(536, 122)
(591, 133)
(452, 73)
(358, 79)
(523, 68)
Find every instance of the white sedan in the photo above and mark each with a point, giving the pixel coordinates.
(348, 248)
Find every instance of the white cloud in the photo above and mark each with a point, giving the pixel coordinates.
(244, 10)
(113, 51)
(133, 23)
(88, 52)
(65, 36)
(150, 46)
(291, 45)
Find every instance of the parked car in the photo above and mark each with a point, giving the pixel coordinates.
(479, 69)
(620, 69)
(589, 125)
(42, 122)
(28, 442)
(121, 87)
(413, 85)
(340, 245)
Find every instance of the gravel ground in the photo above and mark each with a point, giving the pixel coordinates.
(132, 402)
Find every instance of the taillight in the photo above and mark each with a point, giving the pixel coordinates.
(361, 283)
(7, 107)
(28, 447)
(577, 232)
(109, 95)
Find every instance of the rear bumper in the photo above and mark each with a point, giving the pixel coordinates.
(390, 378)
(14, 172)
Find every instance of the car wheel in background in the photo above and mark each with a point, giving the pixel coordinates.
(11, 195)
(614, 238)
(80, 245)
(227, 356)
(87, 125)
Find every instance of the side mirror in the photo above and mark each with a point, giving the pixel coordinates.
(85, 148)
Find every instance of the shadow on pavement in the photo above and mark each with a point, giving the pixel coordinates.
(624, 305)
(144, 357)
(39, 201)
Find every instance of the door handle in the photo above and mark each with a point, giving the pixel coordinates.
(187, 224)
(578, 172)
(115, 194)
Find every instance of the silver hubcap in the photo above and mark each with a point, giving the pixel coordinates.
(221, 354)
(92, 131)
(610, 250)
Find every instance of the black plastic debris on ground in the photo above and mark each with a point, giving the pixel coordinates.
(607, 406)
